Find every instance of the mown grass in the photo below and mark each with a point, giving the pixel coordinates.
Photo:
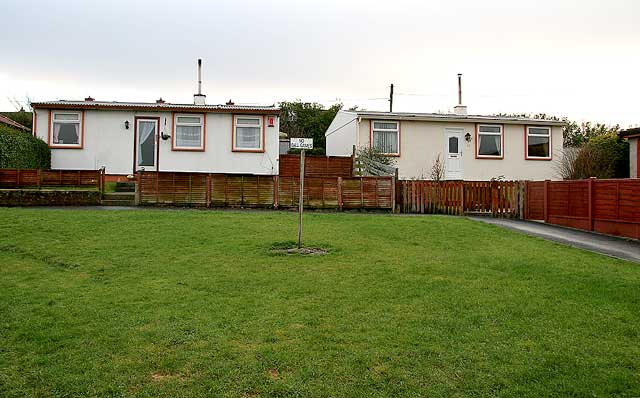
(151, 303)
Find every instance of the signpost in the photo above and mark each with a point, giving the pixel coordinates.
(302, 144)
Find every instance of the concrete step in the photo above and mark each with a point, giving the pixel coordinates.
(112, 202)
(119, 196)
(125, 187)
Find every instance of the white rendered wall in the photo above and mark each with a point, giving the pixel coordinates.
(421, 142)
(107, 143)
(342, 134)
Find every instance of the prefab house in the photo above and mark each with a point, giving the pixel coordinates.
(126, 137)
(472, 147)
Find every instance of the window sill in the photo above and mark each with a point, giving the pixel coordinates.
(534, 158)
(490, 157)
(57, 146)
(179, 149)
(248, 150)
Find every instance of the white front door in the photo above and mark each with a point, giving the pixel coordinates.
(146, 141)
(453, 154)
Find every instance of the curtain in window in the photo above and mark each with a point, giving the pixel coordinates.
(489, 145)
(66, 133)
(386, 141)
(188, 136)
(248, 137)
(146, 145)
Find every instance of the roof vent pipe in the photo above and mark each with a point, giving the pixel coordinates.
(460, 110)
(199, 98)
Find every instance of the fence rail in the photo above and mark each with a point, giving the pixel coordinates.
(17, 178)
(498, 198)
(605, 206)
(236, 190)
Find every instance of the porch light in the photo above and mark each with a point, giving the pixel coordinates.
(467, 137)
(126, 125)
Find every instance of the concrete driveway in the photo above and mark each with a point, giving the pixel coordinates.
(626, 249)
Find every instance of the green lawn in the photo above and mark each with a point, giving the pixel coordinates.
(151, 303)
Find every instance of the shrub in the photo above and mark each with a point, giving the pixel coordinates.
(604, 156)
(20, 150)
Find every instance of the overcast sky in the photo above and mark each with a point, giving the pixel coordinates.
(575, 58)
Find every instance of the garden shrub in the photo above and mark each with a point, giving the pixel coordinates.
(21, 150)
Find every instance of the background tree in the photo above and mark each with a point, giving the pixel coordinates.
(307, 120)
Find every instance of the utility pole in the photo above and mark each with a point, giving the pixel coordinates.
(391, 99)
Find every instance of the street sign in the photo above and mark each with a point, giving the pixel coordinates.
(301, 143)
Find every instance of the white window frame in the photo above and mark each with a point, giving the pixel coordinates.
(526, 144)
(396, 130)
(200, 124)
(260, 126)
(479, 133)
(79, 122)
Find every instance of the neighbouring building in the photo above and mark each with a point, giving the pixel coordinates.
(632, 136)
(472, 147)
(126, 137)
(12, 123)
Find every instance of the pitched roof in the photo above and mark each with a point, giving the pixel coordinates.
(451, 117)
(153, 106)
(12, 123)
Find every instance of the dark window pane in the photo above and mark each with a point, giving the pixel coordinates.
(67, 134)
(453, 144)
(538, 147)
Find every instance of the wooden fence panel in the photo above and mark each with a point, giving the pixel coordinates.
(499, 198)
(15, 178)
(233, 190)
(316, 166)
(605, 206)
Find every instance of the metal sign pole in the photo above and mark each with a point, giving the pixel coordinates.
(301, 199)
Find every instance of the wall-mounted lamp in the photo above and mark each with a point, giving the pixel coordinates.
(467, 137)
(164, 136)
(126, 125)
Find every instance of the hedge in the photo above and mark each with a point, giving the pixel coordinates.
(20, 150)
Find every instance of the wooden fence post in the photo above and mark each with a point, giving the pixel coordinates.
(340, 193)
(591, 186)
(522, 197)
(208, 194)
(276, 187)
(393, 194)
(546, 201)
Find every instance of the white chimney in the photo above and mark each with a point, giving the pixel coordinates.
(460, 110)
(199, 98)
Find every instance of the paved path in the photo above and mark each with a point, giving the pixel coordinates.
(626, 249)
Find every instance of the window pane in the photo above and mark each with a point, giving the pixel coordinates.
(386, 126)
(188, 119)
(453, 144)
(248, 137)
(188, 136)
(538, 130)
(489, 129)
(538, 146)
(66, 116)
(385, 141)
(249, 121)
(66, 133)
(489, 145)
